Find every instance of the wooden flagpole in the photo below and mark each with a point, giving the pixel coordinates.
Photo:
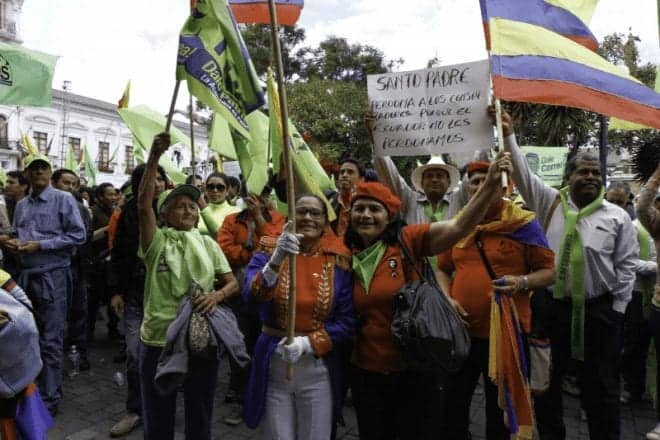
(193, 164)
(500, 137)
(175, 94)
(290, 189)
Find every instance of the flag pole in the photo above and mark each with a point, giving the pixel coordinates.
(500, 137)
(192, 138)
(175, 94)
(286, 158)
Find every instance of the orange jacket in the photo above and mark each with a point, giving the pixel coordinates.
(233, 236)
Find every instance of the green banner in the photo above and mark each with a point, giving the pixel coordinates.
(220, 139)
(547, 162)
(214, 61)
(26, 76)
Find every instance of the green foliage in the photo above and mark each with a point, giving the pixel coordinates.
(257, 39)
(336, 59)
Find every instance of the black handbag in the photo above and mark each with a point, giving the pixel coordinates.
(430, 333)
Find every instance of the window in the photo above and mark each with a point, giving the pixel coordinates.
(130, 160)
(41, 141)
(4, 140)
(77, 151)
(104, 157)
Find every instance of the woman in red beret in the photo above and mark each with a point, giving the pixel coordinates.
(390, 401)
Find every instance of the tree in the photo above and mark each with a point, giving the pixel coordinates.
(336, 59)
(257, 39)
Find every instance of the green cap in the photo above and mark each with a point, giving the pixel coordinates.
(37, 158)
(187, 190)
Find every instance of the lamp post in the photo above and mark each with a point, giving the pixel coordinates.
(66, 86)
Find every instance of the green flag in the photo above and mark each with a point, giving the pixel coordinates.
(275, 121)
(145, 124)
(214, 61)
(70, 163)
(253, 154)
(90, 167)
(309, 160)
(26, 76)
(220, 139)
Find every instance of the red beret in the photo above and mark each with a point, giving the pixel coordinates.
(477, 167)
(379, 192)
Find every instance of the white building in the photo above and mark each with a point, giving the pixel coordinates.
(78, 120)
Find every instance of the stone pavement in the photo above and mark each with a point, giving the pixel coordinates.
(92, 403)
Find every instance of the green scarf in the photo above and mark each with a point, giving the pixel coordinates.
(435, 216)
(366, 262)
(571, 262)
(188, 260)
(643, 237)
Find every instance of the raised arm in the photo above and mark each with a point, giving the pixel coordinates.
(146, 191)
(444, 235)
(648, 216)
(538, 196)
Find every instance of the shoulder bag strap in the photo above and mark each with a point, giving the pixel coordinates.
(554, 205)
(482, 254)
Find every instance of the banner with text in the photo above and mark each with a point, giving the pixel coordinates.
(431, 111)
(547, 162)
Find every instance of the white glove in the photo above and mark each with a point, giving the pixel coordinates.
(287, 244)
(293, 352)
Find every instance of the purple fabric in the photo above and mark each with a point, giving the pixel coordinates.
(32, 418)
(340, 326)
(537, 12)
(531, 234)
(548, 68)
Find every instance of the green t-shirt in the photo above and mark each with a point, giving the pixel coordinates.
(174, 260)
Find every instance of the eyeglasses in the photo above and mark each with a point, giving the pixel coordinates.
(313, 213)
(215, 186)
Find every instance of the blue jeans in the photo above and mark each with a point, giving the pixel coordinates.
(133, 315)
(49, 294)
(158, 411)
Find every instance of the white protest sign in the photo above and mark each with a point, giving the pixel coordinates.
(231, 168)
(431, 111)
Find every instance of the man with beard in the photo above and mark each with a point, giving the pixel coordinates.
(49, 227)
(351, 172)
(595, 260)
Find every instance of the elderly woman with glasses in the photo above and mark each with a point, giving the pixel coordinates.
(307, 406)
(176, 257)
(215, 207)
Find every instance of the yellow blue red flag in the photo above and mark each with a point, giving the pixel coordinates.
(533, 61)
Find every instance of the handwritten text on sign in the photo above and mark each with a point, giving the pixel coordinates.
(431, 111)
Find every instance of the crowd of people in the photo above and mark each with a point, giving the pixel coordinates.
(201, 270)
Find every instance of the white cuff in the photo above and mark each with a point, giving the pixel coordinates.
(270, 276)
(619, 306)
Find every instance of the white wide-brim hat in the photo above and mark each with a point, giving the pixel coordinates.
(435, 162)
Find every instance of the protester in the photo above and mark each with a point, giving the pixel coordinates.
(648, 213)
(196, 180)
(105, 198)
(239, 238)
(351, 172)
(176, 256)
(126, 281)
(216, 206)
(592, 240)
(390, 401)
(77, 318)
(233, 190)
(308, 405)
(517, 251)
(49, 226)
(16, 189)
(636, 336)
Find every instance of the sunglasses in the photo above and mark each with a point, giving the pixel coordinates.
(215, 186)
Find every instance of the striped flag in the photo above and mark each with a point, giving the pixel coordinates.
(256, 11)
(532, 61)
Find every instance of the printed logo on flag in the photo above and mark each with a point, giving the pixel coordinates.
(5, 72)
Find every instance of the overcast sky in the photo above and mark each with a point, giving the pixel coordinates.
(102, 44)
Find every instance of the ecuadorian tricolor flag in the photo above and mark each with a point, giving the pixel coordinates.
(542, 51)
(256, 11)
